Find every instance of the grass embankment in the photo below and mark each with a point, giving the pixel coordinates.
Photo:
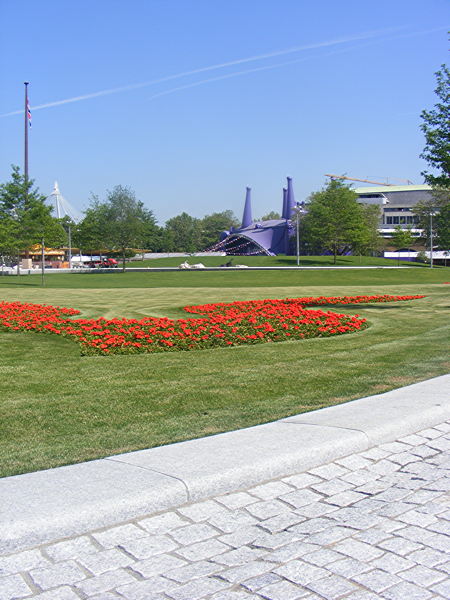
(274, 261)
(59, 408)
(225, 278)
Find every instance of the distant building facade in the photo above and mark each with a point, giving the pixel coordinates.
(396, 205)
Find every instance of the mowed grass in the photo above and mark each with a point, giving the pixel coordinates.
(59, 408)
(271, 261)
(225, 278)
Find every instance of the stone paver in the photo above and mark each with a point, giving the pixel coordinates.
(371, 525)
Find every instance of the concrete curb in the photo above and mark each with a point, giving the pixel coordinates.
(66, 501)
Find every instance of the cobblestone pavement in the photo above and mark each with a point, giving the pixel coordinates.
(372, 525)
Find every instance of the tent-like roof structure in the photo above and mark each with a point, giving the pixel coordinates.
(261, 237)
(36, 250)
(62, 207)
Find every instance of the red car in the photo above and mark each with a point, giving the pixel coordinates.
(106, 263)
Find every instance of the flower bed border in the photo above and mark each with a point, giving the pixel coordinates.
(218, 324)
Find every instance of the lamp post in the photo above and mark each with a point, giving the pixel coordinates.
(43, 261)
(70, 247)
(431, 239)
(300, 209)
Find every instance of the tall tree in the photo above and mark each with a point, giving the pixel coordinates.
(212, 226)
(127, 221)
(370, 240)
(335, 222)
(442, 226)
(91, 231)
(434, 213)
(271, 216)
(436, 127)
(184, 233)
(402, 238)
(25, 218)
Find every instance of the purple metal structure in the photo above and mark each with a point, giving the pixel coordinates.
(247, 216)
(262, 237)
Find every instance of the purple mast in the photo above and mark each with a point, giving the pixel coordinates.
(247, 216)
(290, 200)
(284, 211)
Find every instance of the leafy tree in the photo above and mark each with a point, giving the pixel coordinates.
(212, 226)
(154, 237)
(90, 234)
(335, 222)
(271, 216)
(183, 232)
(126, 221)
(166, 240)
(25, 218)
(442, 227)
(366, 238)
(434, 213)
(9, 236)
(402, 238)
(436, 127)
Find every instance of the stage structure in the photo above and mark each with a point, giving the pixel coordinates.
(262, 237)
(62, 207)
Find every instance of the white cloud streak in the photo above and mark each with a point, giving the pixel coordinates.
(325, 44)
(278, 65)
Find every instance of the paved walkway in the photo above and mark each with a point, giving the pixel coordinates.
(366, 524)
(372, 525)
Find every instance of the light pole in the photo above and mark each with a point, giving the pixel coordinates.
(70, 247)
(300, 209)
(431, 239)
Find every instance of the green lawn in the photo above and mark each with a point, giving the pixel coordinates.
(59, 408)
(272, 261)
(229, 279)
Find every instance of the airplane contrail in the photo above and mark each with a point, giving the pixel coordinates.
(126, 88)
(277, 65)
(230, 75)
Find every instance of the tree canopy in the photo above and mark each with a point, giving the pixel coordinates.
(434, 213)
(271, 216)
(402, 238)
(213, 225)
(336, 223)
(183, 233)
(120, 223)
(25, 219)
(436, 127)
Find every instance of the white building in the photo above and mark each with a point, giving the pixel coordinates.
(396, 205)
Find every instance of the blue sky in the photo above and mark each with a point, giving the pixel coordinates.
(189, 101)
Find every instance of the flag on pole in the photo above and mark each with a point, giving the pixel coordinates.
(28, 113)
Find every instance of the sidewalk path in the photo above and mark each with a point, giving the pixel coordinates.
(38, 507)
(372, 525)
(345, 502)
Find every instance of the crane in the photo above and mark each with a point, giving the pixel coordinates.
(363, 180)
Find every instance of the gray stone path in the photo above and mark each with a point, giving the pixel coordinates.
(371, 525)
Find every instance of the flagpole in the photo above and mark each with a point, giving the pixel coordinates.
(25, 170)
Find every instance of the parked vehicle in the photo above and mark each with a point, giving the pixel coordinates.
(6, 269)
(106, 263)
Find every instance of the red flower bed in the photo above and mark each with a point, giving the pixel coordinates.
(221, 324)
